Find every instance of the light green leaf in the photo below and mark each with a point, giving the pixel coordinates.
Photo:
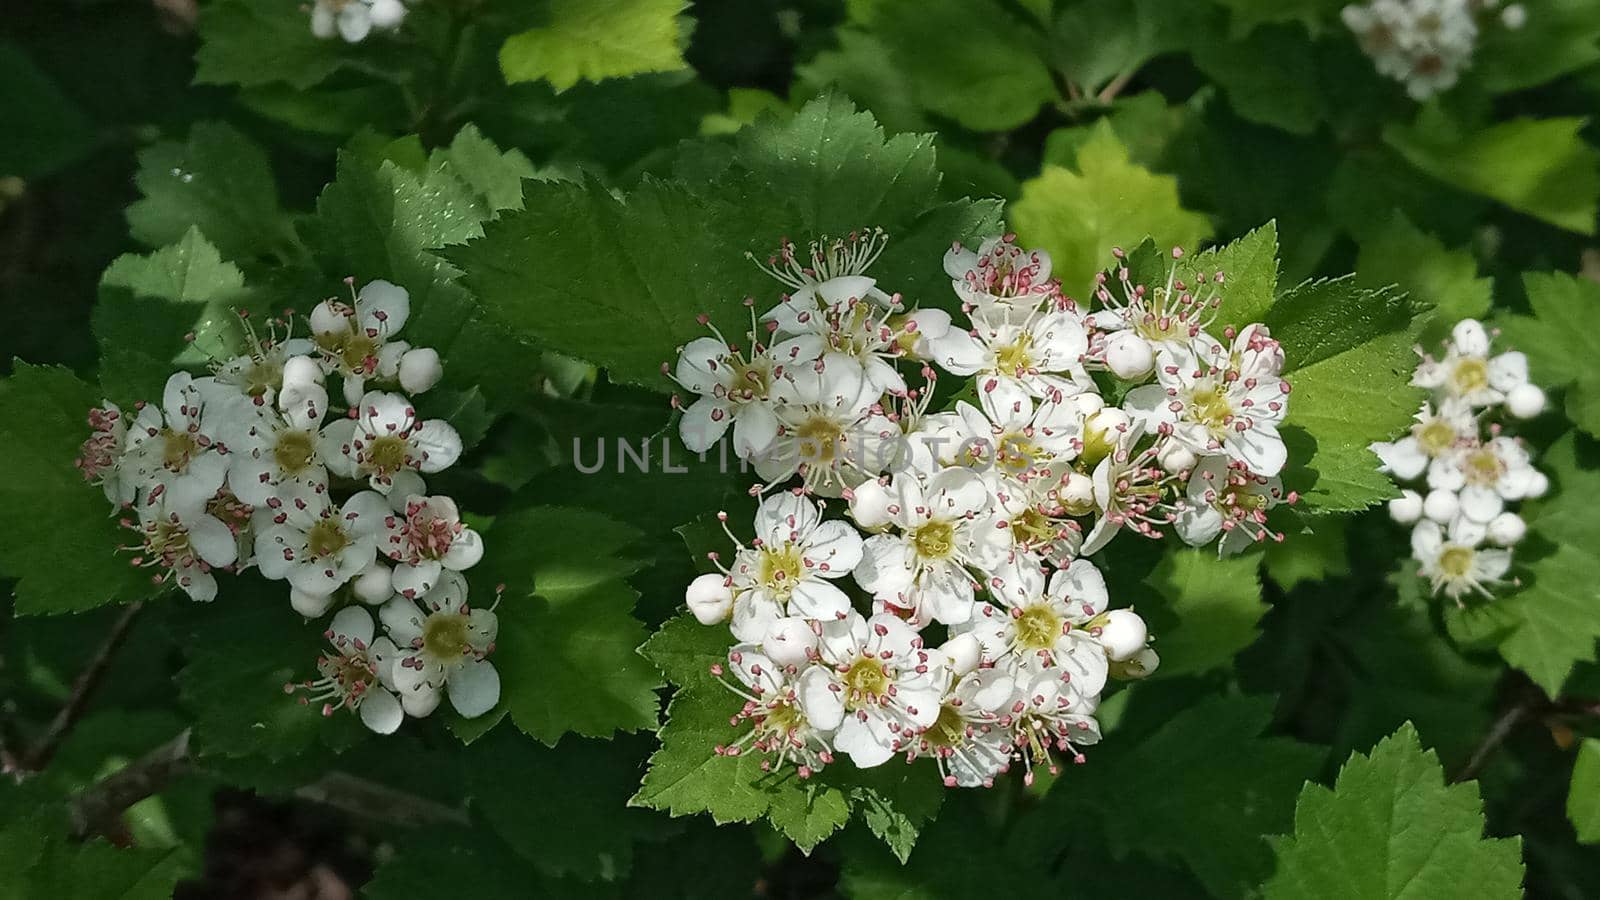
(1079, 216)
(218, 181)
(495, 176)
(567, 648)
(1349, 361)
(968, 60)
(1251, 266)
(1398, 253)
(1583, 797)
(254, 42)
(1211, 608)
(1557, 608)
(1541, 167)
(1392, 828)
(595, 41)
(63, 551)
(1559, 341)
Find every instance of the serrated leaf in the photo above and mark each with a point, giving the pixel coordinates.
(1556, 610)
(968, 60)
(566, 653)
(1559, 342)
(1079, 216)
(55, 867)
(218, 181)
(1392, 828)
(1398, 253)
(1583, 796)
(862, 68)
(1210, 611)
(1349, 361)
(496, 176)
(1541, 167)
(1251, 266)
(64, 552)
(253, 42)
(595, 41)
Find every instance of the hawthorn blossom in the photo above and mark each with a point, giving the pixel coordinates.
(386, 443)
(1485, 476)
(1424, 44)
(1145, 320)
(832, 270)
(274, 450)
(878, 682)
(790, 566)
(1000, 275)
(1225, 498)
(442, 645)
(779, 725)
(102, 455)
(1436, 437)
(736, 389)
(1467, 373)
(1040, 356)
(357, 342)
(425, 539)
(852, 326)
(314, 545)
(176, 449)
(356, 675)
(831, 430)
(268, 364)
(1453, 562)
(971, 740)
(1050, 716)
(1041, 627)
(1130, 489)
(184, 542)
(353, 20)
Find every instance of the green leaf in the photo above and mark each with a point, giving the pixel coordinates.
(1391, 828)
(594, 41)
(1559, 342)
(862, 68)
(47, 131)
(1349, 361)
(1245, 15)
(968, 60)
(582, 785)
(1583, 798)
(1211, 609)
(254, 42)
(1204, 788)
(95, 869)
(1099, 40)
(64, 551)
(567, 646)
(1556, 610)
(1541, 167)
(1251, 266)
(1287, 94)
(1314, 553)
(1396, 252)
(436, 862)
(218, 181)
(1079, 216)
(494, 175)
(1560, 36)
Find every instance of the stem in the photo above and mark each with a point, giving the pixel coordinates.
(82, 690)
(99, 809)
(371, 800)
(1498, 732)
(1111, 90)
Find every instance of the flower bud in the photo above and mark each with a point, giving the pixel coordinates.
(1507, 529)
(1514, 16)
(1123, 634)
(1076, 494)
(965, 653)
(1441, 506)
(420, 369)
(1469, 338)
(1525, 401)
(710, 598)
(310, 605)
(1088, 402)
(375, 584)
(869, 504)
(418, 704)
(1406, 508)
(789, 641)
(1129, 356)
(1538, 485)
(386, 13)
(1175, 457)
(301, 372)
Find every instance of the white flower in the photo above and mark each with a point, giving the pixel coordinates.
(356, 341)
(1406, 509)
(185, 542)
(314, 545)
(387, 444)
(356, 675)
(273, 450)
(849, 325)
(1485, 476)
(1467, 373)
(442, 648)
(1130, 489)
(101, 457)
(265, 368)
(1039, 356)
(1042, 629)
(1425, 44)
(710, 598)
(176, 449)
(831, 430)
(424, 539)
(1228, 499)
(790, 566)
(832, 270)
(1001, 274)
(879, 680)
(735, 389)
(938, 531)
(1218, 402)
(1453, 563)
(353, 20)
(780, 726)
(971, 740)
(1434, 438)
(1165, 317)
(1051, 716)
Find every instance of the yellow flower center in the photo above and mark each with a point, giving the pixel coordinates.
(262, 376)
(1014, 357)
(1038, 628)
(326, 538)
(1209, 406)
(170, 540)
(819, 439)
(386, 455)
(751, 380)
(177, 448)
(295, 451)
(1436, 436)
(351, 347)
(1482, 466)
(1456, 562)
(781, 568)
(1470, 375)
(866, 682)
(445, 636)
(934, 540)
(948, 730)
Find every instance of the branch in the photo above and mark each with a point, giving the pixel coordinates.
(371, 800)
(1497, 734)
(99, 809)
(42, 752)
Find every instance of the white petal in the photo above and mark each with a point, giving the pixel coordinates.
(817, 599)
(352, 624)
(858, 740)
(212, 540)
(704, 423)
(439, 444)
(474, 688)
(381, 712)
(822, 705)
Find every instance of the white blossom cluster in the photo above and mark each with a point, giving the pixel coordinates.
(353, 20)
(245, 468)
(1424, 44)
(989, 637)
(1471, 469)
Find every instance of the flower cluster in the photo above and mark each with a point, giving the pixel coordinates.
(353, 20)
(244, 467)
(1424, 44)
(1472, 469)
(979, 633)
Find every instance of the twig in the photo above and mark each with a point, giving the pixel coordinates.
(371, 800)
(1111, 90)
(1497, 734)
(83, 689)
(98, 810)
